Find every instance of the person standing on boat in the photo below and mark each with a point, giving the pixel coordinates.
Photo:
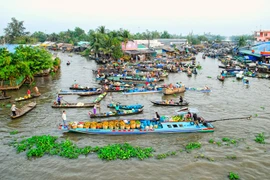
(28, 93)
(95, 109)
(117, 107)
(180, 99)
(157, 116)
(4, 93)
(59, 99)
(13, 109)
(64, 118)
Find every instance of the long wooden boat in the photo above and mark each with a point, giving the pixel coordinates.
(3, 98)
(163, 103)
(168, 90)
(121, 113)
(78, 92)
(146, 126)
(89, 93)
(126, 107)
(74, 105)
(24, 99)
(142, 91)
(198, 89)
(82, 88)
(25, 109)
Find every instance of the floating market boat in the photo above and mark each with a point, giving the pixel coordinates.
(163, 103)
(89, 93)
(221, 78)
(120, 113)
(142, 91)
(26, 97)
(137, 126)
(126, 107)
(198, 89)
(4, 97)
(100, 97)
(25, 109)
(174, 90)
(78, 92)
(73, 105)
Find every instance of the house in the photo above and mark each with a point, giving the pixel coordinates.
(262, 36)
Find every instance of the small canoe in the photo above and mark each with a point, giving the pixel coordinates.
(24, 99)
(121, 113)
(126, 107)
(89, 93)
(198, 89)
(3, 98)
(73, 105)
(25, 109)
(163, 103)
(221, 78)
(146, 126)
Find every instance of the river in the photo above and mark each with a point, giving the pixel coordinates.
(227, 99)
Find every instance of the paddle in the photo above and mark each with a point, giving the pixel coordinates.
(65, 101)
(247, 117)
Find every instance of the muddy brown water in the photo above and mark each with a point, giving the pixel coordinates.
(227, 99)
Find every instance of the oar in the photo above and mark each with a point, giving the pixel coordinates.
(65, 101)
(227, 119)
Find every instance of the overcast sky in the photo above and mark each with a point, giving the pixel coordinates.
(226, 17)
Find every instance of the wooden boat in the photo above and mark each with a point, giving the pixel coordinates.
(163, 103)
(24, 99)
(25, 109)
(121, 113)
(77, 92)
(146, 126)
(3, 98)
(168, 90)
(89, 93)
(74, 105)
(198, 89)
(221, 78)
(126, 107)
(142, 91)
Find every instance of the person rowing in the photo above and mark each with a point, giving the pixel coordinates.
(180, 100)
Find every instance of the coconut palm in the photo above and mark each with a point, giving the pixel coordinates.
(102, 30)
(242, 41)
(95, 42)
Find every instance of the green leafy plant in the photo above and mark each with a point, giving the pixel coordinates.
(14, 132)
(211, 141)
(233, 157)
(192, 145)
(259, 138)
(233, 176)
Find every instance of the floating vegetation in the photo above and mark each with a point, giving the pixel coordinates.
(209, 77)
(14, 132)
(232, 157)
(165, 155)
(233, 176)
(260, 138)
(38, 146)
(225, 141)
(192, 145)
(123, 152)
(262, 107)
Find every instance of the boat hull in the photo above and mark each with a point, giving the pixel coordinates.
(164, 128)
(102, 115)
(25, 109)
(161, 103)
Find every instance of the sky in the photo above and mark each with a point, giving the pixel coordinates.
(226, 17)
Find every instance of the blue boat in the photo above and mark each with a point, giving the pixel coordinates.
(142, 91)
(146, 126)
(126, 107)
(198, 89)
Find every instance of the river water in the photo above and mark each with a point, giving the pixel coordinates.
(227, 99)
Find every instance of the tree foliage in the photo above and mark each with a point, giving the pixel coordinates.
(14, 30)
(26, 61)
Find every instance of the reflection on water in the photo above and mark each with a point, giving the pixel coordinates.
(227, 99)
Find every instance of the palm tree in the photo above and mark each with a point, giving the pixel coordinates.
(95, 42)
(242, 41)
(125, 35)
(102, 30)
